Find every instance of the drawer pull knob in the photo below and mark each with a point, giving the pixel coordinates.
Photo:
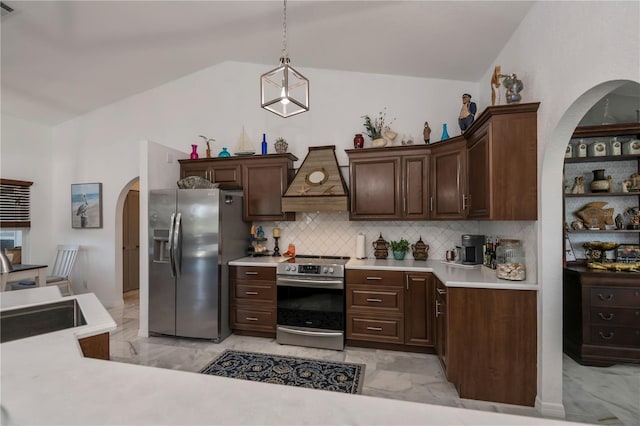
(251, 318)
(374, 278)
(603, 297)
(251, 273)
(374, 328)
(607, 337)
(251, 293)
(374, 300)
(607, 317)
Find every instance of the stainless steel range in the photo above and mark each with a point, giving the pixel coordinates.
(311, 302)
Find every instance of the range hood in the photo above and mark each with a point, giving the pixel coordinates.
(318, 185)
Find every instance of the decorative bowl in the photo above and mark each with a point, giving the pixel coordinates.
(599, 245)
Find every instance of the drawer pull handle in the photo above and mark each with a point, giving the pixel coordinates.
(603, 297)
(438, 313)
(441, 291)
(374, 328)
(607, 337)
(608, 317)
(251, 318)
(374, 300)
(251, 273)
(374, 278)
(251, 293)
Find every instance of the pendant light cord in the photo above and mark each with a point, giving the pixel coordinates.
(284, 34)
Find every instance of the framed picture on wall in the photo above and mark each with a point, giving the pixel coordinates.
(86, 205)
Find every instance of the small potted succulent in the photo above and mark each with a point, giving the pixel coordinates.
(281, 145)
(399, 248)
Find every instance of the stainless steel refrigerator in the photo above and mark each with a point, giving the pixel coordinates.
(193, 233)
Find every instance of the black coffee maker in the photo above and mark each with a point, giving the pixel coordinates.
(471, 250)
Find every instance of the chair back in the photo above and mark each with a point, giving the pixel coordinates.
(65, 259)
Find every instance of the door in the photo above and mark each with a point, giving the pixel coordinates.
(478, 169)
(448, 176)
(197, 265)
(375, 189)
(415, 194)
(162, 295)
(131, 242)
(264, 185)
(419, 305)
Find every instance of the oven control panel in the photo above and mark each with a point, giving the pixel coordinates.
(310, 270)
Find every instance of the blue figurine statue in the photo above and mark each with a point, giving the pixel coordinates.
(467, 113)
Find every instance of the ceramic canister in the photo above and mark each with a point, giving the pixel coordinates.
(581, 149)
(597, 149)
(568, 153)
(615, 146)
(631, 147)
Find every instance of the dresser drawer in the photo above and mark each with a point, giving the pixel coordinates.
(253, 273)
(379, 329)
(615, 316)
(250, 318)
(615, 336)
(615, 296)
(255, 292)
(389, 299)
(362, 276)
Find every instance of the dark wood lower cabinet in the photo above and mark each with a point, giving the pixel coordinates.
(601, 316)
(491, 344)
(419, 321)
(95, 346)
(253, 300)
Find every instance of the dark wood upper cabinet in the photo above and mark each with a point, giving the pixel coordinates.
(389, 184)
(263, 178)
(502, 166)
(448, 180)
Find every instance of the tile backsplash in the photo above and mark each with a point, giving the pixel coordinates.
(330, 233)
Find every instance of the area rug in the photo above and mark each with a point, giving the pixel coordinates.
(288, 370)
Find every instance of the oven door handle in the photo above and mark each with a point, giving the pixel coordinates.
(310, 283)
(310, 333)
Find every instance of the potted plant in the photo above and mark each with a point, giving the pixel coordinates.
(281, 145)
(375, 128)
(399, 248)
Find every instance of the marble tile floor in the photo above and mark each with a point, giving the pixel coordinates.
(607, 396)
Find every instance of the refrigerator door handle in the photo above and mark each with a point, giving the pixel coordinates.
(177, 242)
(171, 246)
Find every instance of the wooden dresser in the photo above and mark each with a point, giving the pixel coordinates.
(601, 311)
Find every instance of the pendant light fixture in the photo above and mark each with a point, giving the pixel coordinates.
(284, 91)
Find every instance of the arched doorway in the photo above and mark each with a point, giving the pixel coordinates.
(551, 220)
(123, 225)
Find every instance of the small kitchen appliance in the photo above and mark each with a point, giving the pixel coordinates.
(471, 250)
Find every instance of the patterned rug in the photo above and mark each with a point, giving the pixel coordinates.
(288, 370)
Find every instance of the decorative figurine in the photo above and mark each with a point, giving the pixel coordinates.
(467, 112)
(426, 133)
(618, 221)
(578, 186)
(510, 81)
(445, 134)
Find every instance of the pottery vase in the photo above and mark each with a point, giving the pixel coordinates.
(445, 134)
(398, 255)
(224, 153)
(194, 152)
(600, 182)
(379, 143)
(281, 146)
(358, 141)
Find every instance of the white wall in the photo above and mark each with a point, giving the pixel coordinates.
(25, 155)
(563, 52)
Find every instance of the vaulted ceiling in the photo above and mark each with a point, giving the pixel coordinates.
(61, 59)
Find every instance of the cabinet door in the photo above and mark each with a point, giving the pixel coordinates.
(448, 181)
(375, 188)
(264, 184)
(200, 169)
(415, 194)
(478, 168)
(227, 175)
(419, 305)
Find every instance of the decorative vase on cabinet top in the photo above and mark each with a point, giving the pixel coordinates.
(358, 141)
(194, 152)
(224, 153)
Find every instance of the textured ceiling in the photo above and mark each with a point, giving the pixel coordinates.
(61, 59)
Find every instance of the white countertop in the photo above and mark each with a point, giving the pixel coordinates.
(46, 380)
(450, 274)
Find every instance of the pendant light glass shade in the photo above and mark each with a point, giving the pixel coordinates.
(284, 90)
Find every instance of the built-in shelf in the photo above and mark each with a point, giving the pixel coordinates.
(605, 231)
(603, 194)
(607, 130)
(625, 157)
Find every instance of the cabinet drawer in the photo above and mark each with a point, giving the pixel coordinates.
(615, 296)
(615, 336)
(358, 276)
(253, 273)
(248, 317)
(255, 292)
(386, 299)
(379, 329)
(615, 316)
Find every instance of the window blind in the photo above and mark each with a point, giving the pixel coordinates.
(15, 203)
